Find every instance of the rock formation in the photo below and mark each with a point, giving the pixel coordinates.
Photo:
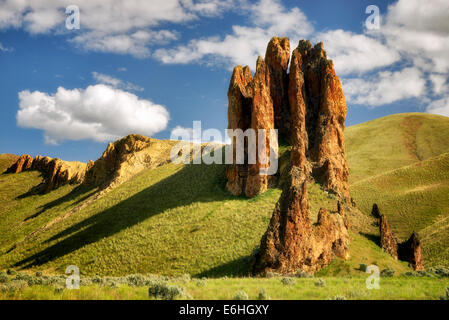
(410, 250)
(120, 161)
(55, 171)
(310, 97)
(316, 123)
(388, 242)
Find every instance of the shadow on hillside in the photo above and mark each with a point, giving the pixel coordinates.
(192, 183)
(236, 268)
(372, 237)
(86, 190)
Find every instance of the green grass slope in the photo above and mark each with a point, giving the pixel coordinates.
(401, 162)
(388, 143)
(178, 219)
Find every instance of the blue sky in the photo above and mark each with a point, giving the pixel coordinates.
(163, 65)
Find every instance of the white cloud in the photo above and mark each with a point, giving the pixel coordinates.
(385, 88)
(114, 82)
(440, 107)
(439, 85)
(99, 113)
(124, 27)
(267, 19)
(420, 30)
(353, 53)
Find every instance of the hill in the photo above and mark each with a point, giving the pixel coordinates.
(176, 219)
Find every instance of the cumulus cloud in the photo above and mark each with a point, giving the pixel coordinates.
(115, 82)
(354, 53)
(245, 43)
(385, 88)
(124, 27)
(99, 112)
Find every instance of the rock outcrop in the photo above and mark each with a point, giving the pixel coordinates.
(55, 171)
(120, 161)
(388, 242)
(310, 96)
(410, 250)
(316, 123)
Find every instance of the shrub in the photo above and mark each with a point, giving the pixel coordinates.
(263, 295)
(4, 278)
(302, 274)
(363, 267)
(164, 291)
(387, 273)
(201, 282)
(442, 271)
(185, 278)
(14, 285)
(287, 281)
(38, 274)
(136, 280)
(320, 283)
(241, 295)
(271, 274)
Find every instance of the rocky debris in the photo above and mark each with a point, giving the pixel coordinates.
(308, 109)
(120, 161)
(55, 171)
(388, 242)
(410, 250)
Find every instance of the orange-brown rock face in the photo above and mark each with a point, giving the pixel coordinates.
(309, 111)
(23, 163)
(250, 107)
(277, 57)
(411, 251)
(292, 242)
(388, 242)
(55, 171)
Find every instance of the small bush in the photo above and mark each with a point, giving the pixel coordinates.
(241, 295)
(320, 283)
(287, 281)
(302, 274)
(14, 285)
(136, 280)
(273, 275)
(38, 274)
(165, 291)
(263, 295)
(4, 278)
(387, 273)
(201, 282)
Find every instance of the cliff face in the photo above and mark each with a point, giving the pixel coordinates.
(55, 171)
(121, 160)
(315, 125)
(309, 99)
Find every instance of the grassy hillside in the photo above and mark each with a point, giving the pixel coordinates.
(178, 219)
(401, 163)
(388, 143)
